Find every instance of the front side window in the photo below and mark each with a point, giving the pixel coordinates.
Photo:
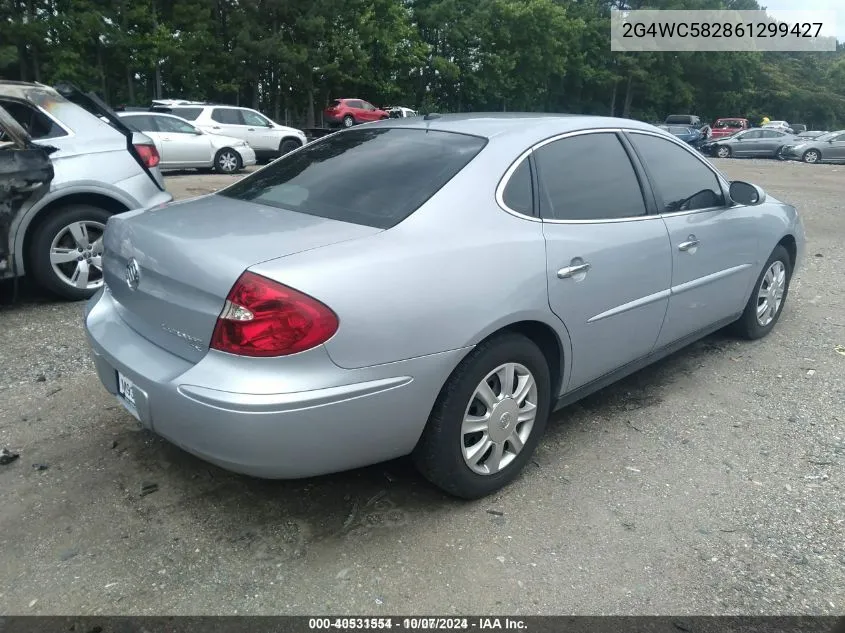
(771, 134)
(229, 116)
(174, 126)
(332, 178)
(751, 135)
(253, 118)
(682, 181)
(588, 177)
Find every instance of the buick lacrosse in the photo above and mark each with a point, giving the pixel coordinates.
(434, 286)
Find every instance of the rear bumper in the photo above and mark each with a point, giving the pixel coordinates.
(318, 418)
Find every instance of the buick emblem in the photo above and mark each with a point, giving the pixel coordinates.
(133, 274)
(506, 420)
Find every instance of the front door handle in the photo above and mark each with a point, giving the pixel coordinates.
(690, 246)
(250, 129)
(215, 127)
(572, 271)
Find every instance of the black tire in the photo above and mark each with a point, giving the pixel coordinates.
(723, 151)
(348, 121)
(438, 455)
(748, 326)
(288, 145)
(221, 163)
(39, 254)
(814, 154)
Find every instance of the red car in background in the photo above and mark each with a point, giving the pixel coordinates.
(725, 127)
(348, 112)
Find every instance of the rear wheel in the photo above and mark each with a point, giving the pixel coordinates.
(766, 302)
(288, 146)
(488, 418)
(811, 156)
(227, 161)
(66, 251)
(348, 121)
(723, 152)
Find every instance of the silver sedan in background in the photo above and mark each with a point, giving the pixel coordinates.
(757, 142)
(185, 146)
(827, 148)
(310, 319)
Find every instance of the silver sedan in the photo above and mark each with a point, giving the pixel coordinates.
(312, 318)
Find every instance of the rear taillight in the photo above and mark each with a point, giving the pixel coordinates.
(149, 155)
(262, 317)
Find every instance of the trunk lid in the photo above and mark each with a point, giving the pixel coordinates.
(184, 257)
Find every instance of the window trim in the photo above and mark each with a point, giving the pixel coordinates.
(655, 189)
(646, 188)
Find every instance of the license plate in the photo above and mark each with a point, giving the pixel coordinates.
(126, 388)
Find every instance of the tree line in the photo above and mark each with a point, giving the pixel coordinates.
(289, 58)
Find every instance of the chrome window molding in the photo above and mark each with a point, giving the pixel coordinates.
(503, 183)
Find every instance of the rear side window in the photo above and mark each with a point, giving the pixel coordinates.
(189, 114)
(37, 124)
(682, 181)
(229, 116)
(518, 194)
(140, 123)
(333, 178)
(588, 177)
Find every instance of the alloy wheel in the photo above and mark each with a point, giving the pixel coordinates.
(76, 254)
(770, 293)
(499, 418)
(811, 157)
(228, 162)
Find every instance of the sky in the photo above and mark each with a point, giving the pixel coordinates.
(833, 6)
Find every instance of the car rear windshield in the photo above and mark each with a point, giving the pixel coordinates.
(679, 118)
(375, 177)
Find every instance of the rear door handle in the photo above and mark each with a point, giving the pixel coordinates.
(250, 129)
(215, 127)
(571, 271)
(690, 246)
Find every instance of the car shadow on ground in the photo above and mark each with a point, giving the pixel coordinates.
(383, 496)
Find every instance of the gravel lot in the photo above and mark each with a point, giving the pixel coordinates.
(711, 482)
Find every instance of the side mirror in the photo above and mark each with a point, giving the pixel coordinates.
(746, 193)
(198, 131)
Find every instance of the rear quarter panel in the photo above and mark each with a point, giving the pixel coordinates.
(455, 271)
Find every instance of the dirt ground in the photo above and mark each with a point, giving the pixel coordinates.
(711, 482)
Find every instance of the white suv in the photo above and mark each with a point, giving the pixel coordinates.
(268, 139)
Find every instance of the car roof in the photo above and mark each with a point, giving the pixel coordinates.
(531, 127)
(23, 89)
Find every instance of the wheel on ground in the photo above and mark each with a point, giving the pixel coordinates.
(723, 152)
(488, 418)
(766, 302)
(66, 251)
(227, 161)
(287, 146)
(348, 121)
(811, 156)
